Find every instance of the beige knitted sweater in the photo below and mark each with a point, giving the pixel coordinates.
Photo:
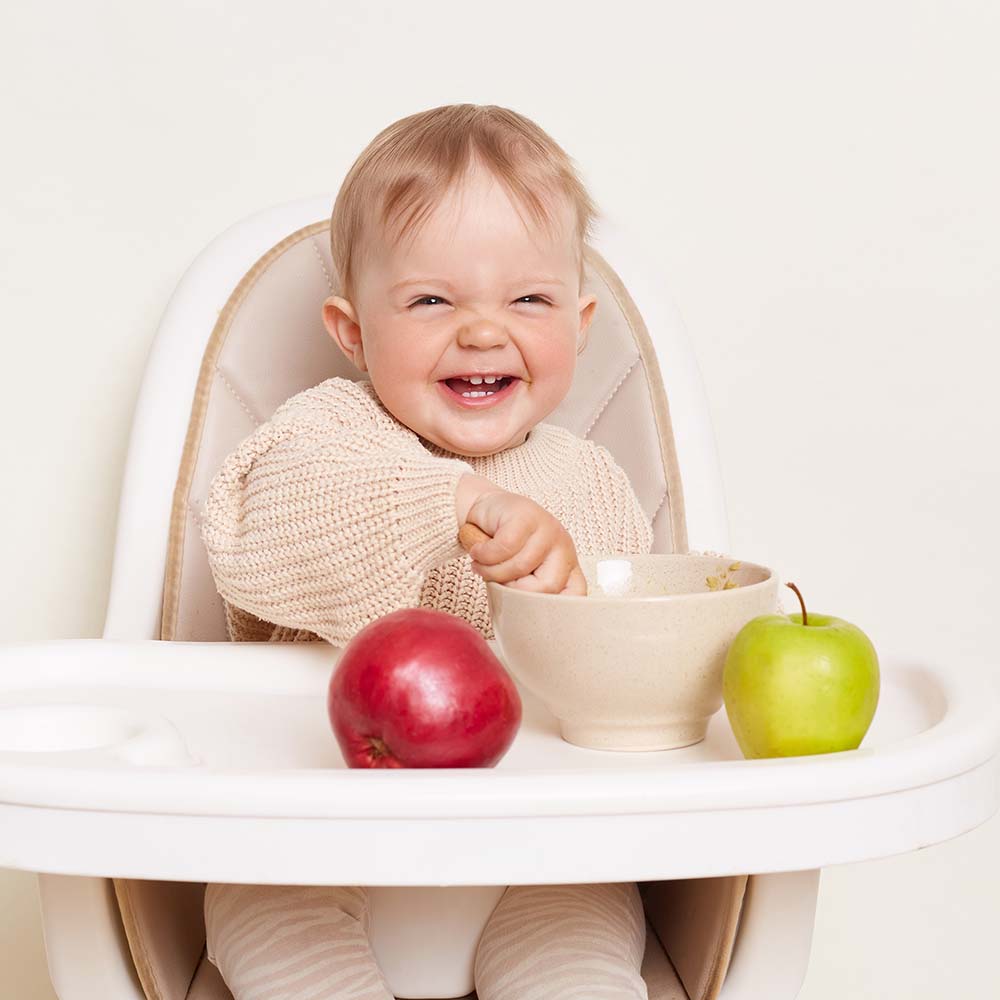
(333, 513)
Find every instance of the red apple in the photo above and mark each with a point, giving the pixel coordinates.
(422, 688)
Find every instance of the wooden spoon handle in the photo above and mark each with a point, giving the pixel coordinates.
(469, 534)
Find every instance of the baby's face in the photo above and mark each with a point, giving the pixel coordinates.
(477, 295)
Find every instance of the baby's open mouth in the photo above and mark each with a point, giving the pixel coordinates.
(476, 387)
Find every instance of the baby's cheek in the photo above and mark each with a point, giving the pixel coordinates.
(555, 351)
(555, 367)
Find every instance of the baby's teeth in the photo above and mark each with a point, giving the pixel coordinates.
(476, 381)
(473, 395)
(490, 379)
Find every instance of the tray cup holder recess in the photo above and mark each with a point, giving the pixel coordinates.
(89, 730)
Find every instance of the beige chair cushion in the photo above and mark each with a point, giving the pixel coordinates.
(268, 344)
(695, 921)
(165, 930)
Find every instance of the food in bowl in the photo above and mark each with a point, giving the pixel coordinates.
(637, 663)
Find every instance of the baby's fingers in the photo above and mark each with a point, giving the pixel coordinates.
(506, 543)
(523, 562)
(551, 576)
(576, 585)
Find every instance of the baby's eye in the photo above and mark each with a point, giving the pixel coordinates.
(433, 299)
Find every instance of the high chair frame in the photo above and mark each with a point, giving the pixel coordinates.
(747, 839)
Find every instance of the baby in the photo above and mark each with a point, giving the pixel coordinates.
(458, 239)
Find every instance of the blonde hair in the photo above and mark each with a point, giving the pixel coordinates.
(405, 171)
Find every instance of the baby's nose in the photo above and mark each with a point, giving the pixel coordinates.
(482, 332)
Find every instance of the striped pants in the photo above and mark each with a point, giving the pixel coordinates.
(545, 942)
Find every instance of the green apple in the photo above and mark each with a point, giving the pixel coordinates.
(800, 684)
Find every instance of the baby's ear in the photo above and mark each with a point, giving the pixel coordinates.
(588, 306)
(341, 322)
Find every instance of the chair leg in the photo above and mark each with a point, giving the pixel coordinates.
(85, 945)
(771, 953)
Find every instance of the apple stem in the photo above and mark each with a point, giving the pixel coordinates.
(798, 594)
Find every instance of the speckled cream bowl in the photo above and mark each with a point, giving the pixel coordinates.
(637, 663)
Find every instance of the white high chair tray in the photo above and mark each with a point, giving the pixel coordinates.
(215, 762)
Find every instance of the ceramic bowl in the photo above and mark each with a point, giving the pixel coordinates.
(637, 663)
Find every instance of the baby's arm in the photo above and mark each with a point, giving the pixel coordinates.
(329, 515)
(614, 501)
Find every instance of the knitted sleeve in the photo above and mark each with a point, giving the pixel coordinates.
(330, 514)
(613, 500)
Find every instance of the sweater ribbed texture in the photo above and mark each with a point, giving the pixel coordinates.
(333, 513)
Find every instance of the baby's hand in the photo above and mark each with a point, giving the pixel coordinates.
(529, 549)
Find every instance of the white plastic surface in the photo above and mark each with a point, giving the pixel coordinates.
(259, 793)
(777, 919)
(85, 946)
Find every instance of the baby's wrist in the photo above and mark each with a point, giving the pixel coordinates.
(470, 488)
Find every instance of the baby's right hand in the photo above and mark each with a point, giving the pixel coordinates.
(530, 549)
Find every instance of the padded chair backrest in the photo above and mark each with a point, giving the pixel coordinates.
(269, 343)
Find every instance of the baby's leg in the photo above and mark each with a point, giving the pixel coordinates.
(292, 942)
(556, 942)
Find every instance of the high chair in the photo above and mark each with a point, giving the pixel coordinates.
(136, 767)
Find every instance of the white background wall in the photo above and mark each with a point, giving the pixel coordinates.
(820, 181)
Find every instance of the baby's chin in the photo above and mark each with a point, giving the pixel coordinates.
(476, 446)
